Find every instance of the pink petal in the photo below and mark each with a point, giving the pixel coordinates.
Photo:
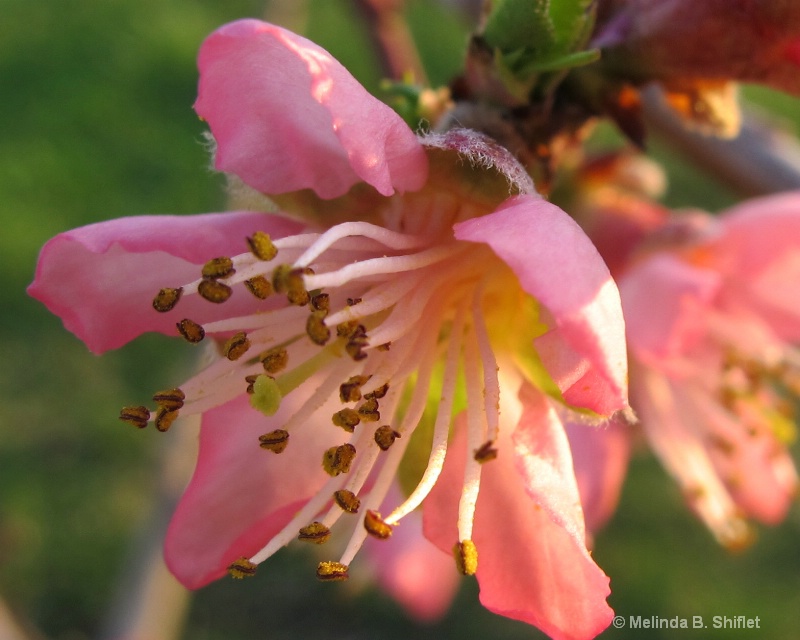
(241, 495)
(532, 561)
(101, 279)
(558, 265)
(600, 458)
(666, 302)
(287, 116)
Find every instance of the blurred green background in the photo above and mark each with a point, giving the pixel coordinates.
(96, 120)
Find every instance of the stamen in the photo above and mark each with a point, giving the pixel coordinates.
(262, 247)
(375, 525)
(350, 391)
(315, 532)
(259, 286)
(347, 500)
(485, 452)
(236, 346)
(347, 419)
(164, 419)
(276, 441)
(321, 302)
(242, 568)
(214, 291)
(491, 383)
(191, 331)
(275, 360)
(137, 416)
(218, 268)
(385, 437)
(337, 460)
(266, 396)
(166, 299)
(171, 399)
(368, 411)
(329, 571)
(251, 382)
(378, 393)
(466, 555)
(317, 330)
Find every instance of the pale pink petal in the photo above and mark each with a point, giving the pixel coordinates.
(414, 571)
(241, 495)
(101, 279)
(666, 302)
(287, 116)
(600, 457)
(558, 265)
(532, 561)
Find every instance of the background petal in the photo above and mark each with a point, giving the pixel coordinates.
(287, 116)
(101, 279)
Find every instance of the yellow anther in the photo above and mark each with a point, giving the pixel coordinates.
(485, 452)
(213, 291)
(347, 500)
(347, 419)
(347, 329)
(375, 525)
(137, 416)
(337, 460)
(315, 532)
(164, 419)
(171, 399)
(276, 441)
(466, 556)
(266, 396)
(329, 571)
(218, 268)
(378, 393)
(261, 246)
(242, 568)
(259, 286)
(317, 330)
(321, 302)
(350, 391)
(275, 360)
(368, 411)
(191, 331)
(236, 346)
(298, 297)
(385, 437)
(166, 299)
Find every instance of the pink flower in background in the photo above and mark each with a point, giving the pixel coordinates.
(414, 290)
(713, 317)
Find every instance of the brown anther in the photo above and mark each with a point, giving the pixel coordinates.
(317, 330)
(213, 291)
(298, 297)
(275, 360)
(259, 286)
(378, 393)
(375, 525)
(347, 329)
(321, 302)
(276, 441)
(280, 278)
(329, 571)
(466, 556)
(191, 331)
(356, 351)
(347, 419)
(385, 437)
(137, 416)
(368, 411)
(350, 391)
(315, 532)
(166, 299)
(251, 380)
(352, 302)
(242, 568)
(218, 268)
(337, 460)
(261, 245)
(347, 500)
(485, 452)
(384, 347)
(164, 419)
(171, 399)
(236, 346)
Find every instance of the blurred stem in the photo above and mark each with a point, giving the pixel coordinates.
(392, 39)
(291, 14)
(761, 160)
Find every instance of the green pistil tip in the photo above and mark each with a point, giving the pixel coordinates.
(266, 396)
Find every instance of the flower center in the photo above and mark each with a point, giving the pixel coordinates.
(384, 319)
